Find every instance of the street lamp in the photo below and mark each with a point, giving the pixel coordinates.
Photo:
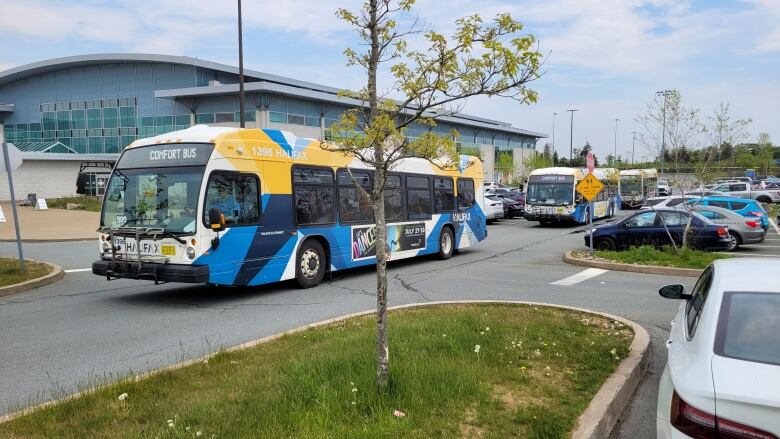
(665, 94)
(571, 136)
(553, 133)
(633, 146)
(240, 71)
(616, 124)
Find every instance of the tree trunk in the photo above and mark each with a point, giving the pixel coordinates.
(382, 349)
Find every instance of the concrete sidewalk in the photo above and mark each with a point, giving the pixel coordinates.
(49, 225)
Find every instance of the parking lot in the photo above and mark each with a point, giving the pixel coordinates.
(83, 328)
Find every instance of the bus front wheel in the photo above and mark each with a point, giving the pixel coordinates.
(446, 243)
(310, 266)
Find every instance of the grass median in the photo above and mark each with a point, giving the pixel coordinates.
(10, 273)
(666, 256)
(91, 204)
(465, 370)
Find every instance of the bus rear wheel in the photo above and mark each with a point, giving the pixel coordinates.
(310, 264)
(446, 243)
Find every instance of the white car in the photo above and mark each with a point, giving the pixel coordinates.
(722, 378)
(494, 208)
(661, 202)
(663, 188)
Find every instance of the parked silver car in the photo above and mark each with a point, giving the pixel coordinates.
(742, 230)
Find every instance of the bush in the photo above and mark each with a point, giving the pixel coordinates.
(666, 256)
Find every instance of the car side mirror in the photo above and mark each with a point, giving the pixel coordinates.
(216, 220)
(675, 291)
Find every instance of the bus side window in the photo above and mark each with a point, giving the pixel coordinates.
(445, 198)
(465, 194)
(314, 195)
(418, 197)
(354, 205)
(237, 196)
(394, 205)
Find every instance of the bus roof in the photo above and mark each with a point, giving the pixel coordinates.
(646, 172)
(292, 148)
(556, 171)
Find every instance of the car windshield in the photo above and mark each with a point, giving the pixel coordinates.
(630, 185)
(748, 327)
(154, 197)
(550, 193)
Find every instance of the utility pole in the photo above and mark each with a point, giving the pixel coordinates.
(616, 124)
(240, 71)
(664, 93)
(633, 146)
(571, 136)
(553, 132)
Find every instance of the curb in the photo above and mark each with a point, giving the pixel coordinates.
(569, 258)
(596, 421)
(36, 240)
(56, 274)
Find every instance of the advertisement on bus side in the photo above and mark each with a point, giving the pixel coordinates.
(400, 238)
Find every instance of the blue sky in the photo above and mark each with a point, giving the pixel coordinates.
(606, 58)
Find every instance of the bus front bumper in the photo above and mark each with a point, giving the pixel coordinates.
(548, 217)
(156, 272)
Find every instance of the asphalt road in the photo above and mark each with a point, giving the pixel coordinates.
(83, 328)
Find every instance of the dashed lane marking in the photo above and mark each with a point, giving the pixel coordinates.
(777, 229)
(579, 277)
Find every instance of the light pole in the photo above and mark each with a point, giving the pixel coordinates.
(616, 124)
(571, 136)
(633, 146)
(553, 133)
(665, 94)
(240, 70)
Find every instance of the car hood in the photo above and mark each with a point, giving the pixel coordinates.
(747, 392)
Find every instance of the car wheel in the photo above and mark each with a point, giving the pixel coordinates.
(446, 243)
(734, 241)
(543, 222)
(764, 199)
(310, 264)
(606, 244)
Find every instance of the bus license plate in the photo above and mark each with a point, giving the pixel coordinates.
(168, 250)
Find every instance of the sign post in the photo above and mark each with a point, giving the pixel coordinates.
(589, 187)
(590, 162)
(13, 205)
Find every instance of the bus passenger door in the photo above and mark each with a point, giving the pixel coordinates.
(237, 197)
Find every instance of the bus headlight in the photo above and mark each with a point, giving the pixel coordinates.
(190, 252)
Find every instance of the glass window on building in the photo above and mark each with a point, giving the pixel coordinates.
(127, 116)
(63, 120)
(204, 118)
(276, 117)
(95, 145)
(110, 118)
(111, 145)
(295, 119)
(223, 117)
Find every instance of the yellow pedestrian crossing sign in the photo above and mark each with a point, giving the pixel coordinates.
(589, 187)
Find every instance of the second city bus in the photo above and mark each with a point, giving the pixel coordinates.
(551, 196)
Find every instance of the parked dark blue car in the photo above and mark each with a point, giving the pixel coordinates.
(647, 228)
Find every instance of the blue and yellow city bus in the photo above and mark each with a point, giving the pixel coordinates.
(228, 206)
(551, 195)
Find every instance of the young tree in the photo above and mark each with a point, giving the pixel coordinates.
(492, 59)
(726, 131)
(505, 164)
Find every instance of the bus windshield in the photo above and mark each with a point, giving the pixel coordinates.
(154, 197)
(550, 193)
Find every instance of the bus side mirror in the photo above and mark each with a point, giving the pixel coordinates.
(81, 183)
(216, 220)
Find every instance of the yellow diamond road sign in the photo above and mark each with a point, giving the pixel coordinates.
(589, 187)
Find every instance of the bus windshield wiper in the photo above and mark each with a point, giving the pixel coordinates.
(174, 236)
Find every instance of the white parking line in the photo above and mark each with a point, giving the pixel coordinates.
(579, 277)
(77, 270)
(772, 222)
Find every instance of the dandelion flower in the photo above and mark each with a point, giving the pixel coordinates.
(476, 349)
(354, 389)
(481, 332)
(613, 351)
(353, 402)
(122, 397)
(170, 423)
(487, 328)
(198, 433)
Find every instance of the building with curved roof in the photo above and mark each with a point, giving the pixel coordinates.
(59, 114)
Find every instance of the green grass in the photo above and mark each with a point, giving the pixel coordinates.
(536, 372)
(92, 204)
(10, 274)
(667, 256)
